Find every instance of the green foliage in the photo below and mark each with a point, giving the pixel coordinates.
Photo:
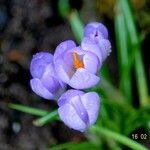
(46, 117)
(52, 116)
(135, 54)
(26, 109)
(118, 137)
(123, 56)
(76, 25)
(75, 146)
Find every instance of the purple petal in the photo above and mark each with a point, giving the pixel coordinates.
(49, 79)
(39, 89)
(66, 97)
(63, 70)
(62, 47)
(68, 59)
(79, 107)
(105, 48)
(39, 63)
(83, 79)
(102, 29)
(91, 62)
(69, 116)
(91, 102)
(95, 29)
(89, 45)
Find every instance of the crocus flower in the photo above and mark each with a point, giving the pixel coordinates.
(79, 110)
(96, 40)
(76, 67)
(96, 31)
(44, 82)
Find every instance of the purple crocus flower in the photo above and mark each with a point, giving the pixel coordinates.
(96, 31)
(96, 40)
(76, 67)
(44, 82)
(79, 110)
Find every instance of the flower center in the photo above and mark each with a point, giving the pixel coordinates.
(77, 62)
(96, 34)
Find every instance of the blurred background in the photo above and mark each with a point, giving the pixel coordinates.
(27, 27)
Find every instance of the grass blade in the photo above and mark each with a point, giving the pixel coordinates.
(76, 25)
(46, 119)
(122, 47)
(63, 7)
(75, 146)
(27, 109)
(136, 50)
(118, 137)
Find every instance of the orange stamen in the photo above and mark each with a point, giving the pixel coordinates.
(77, 63)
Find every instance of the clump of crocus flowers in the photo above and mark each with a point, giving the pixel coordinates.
(76, 66)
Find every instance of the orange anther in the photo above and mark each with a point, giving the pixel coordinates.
(77, 63)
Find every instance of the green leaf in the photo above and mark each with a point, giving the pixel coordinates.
(109, 90)
(76, 25)
(114, 115)
(105, 73)
(138, 119)
(47, 118)
(63, 7)
(118, 137)
(122, 47)
(27, 109)
(75, 146)
(73, 18)
(136, 52)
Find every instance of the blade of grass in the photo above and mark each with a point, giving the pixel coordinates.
(75, 146)
(104, 71)
(63, 7)
(139, 66)
(62, 146)
(27, 109)
(73, 17)
(116, 112)
(138, 119)
(76, 25)
(45, 115)
(122, 47)
(47, 118)
(118, 137)
(109, 90)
